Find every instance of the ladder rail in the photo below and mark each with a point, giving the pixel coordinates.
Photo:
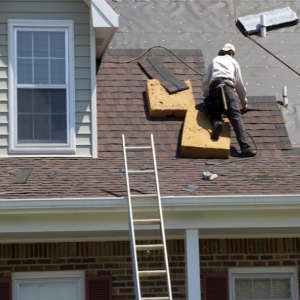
(131, 227)
(159, 221)
(162, 227)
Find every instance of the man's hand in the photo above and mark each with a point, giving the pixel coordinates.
(244, 109)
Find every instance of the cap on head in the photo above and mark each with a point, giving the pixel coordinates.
(229, 47)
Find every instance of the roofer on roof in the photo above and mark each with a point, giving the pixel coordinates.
(224, 76)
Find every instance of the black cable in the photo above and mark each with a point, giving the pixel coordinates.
(164, 48)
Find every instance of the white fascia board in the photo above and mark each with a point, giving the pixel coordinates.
(233, 202)
(102, 14)
(170, 203)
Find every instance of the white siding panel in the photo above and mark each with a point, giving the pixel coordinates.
(82, 62)
(42, 6)
(82, 51)
(3, 51)
(3, 40)
(83, 151)
(3, 129)
(81, 40)
(3, 73)
(3, 118)
(82, 106)
(81, 73)
(3, 151)
(3, 28)
(3, 107)
(80, 18)
(81, 29)
(84, 140)
(83, 129)
(3, 62)
(3, 84)
(77, 11)
(3, 141)
(82, 95)
(3, 95)
(83, 118)
(83, 84)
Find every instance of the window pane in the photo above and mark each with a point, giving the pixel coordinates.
(57, 44)
(24, 101)
(281, 288)
(58, 71)
(42, 115)
(24, 44)
(49, 289)
(58, 101)
(40, 44)
(25, 126)
(243, 289)
(59, 126)
(42, 128)
(262, 288)
(41, 102)
(24, 70)
(41, 71)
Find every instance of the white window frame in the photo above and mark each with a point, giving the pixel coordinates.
(41, 25)
(264, 272)
(34, 277)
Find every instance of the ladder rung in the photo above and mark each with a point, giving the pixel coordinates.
(155, 298)
(140, 171)
(152, 273)
(146, 222)
(149, 247)
(138, 147)
(143, 196)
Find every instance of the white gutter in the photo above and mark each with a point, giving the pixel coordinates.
(170, 203)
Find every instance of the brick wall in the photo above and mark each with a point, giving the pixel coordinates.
(114, 258)
(96, 258)
(216, 255)
(220, 254)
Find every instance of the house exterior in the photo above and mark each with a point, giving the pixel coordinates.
(48, 51)
(64, 223)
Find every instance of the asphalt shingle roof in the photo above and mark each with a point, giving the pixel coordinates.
(122, 109)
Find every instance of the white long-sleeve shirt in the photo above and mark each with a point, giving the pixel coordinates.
(227, 67)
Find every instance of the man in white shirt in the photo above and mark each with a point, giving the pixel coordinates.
(224, 73)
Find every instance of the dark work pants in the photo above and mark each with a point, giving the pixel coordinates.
(215, 109)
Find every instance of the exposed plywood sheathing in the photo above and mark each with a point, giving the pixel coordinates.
(196, 139)
(162, 104)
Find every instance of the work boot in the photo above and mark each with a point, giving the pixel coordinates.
(217, 129)
(248, 152)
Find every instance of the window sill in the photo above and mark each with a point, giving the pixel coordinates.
(33, 149)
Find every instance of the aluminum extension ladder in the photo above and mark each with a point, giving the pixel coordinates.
(136, 248)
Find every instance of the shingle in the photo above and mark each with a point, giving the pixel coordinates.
(122, 109)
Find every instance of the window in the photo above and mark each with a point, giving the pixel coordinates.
(48, 286)
(263, 283)
(41, 86)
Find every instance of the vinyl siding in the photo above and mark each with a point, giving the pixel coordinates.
(77, 11)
